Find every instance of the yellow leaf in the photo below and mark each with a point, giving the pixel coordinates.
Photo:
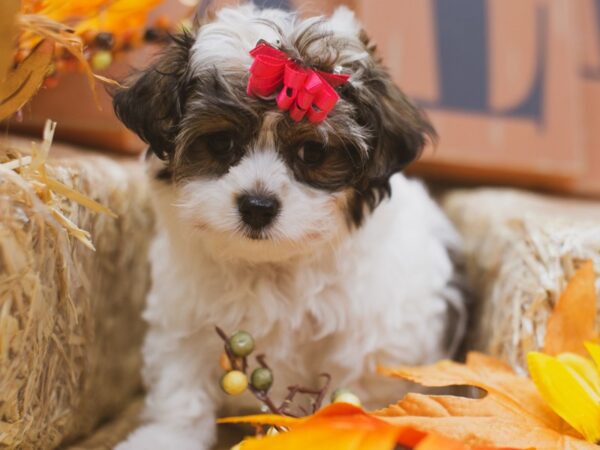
(594, 351)
(8, 34)
(566, 393)
(105, 15)
(23, 82)
(119, 15)
(572, 321)
(585, 370)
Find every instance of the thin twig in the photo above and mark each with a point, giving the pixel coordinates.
(324, 389)
(263, 396)
(261, 360)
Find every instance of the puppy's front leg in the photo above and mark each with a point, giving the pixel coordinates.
(179, 412)
(185, 420)
(163, 435)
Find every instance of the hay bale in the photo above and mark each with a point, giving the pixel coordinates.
(70, 326)
(521, 249)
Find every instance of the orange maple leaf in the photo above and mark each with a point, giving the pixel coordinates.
(510, 414)
(344, 426)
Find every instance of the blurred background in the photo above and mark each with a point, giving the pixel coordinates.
(512, 86)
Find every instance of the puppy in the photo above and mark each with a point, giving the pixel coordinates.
(288, 220)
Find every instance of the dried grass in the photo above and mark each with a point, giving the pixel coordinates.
(32, 169)
(521, 250)
(70, 326)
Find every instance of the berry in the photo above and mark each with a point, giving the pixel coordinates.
(163, 22)
(105, 40)
(101, 60)
(152, 35)
(241, 343)
(345, 396)
(234, 382)
(224, 362)
(51, 82)
(262, 379)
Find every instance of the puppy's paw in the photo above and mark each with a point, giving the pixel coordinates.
(162, 436)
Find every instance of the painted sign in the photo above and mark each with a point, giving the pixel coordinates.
(502, 82)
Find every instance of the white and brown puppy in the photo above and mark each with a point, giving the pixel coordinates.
(304, 234)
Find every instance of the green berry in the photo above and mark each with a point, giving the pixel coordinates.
(241, 343)
(101, 60)
(339, 391)
(262, 379)
(234, 382)
(345, 396)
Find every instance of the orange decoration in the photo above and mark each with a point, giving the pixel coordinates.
(343, 426)
(573, 319)
(512, 413)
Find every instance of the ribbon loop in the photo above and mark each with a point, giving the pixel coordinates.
(303, 92)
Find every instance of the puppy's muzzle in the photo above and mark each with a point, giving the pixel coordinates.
(258, 210)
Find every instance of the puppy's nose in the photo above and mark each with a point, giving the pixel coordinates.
(258, 210)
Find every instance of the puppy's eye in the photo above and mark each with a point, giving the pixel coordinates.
(312, 153)
(221, 145)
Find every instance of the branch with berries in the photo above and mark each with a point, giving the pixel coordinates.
(234, 361)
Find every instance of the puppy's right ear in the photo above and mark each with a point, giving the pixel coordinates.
(152, 102)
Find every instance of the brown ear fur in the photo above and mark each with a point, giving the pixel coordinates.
(399, 132)
(152, 103)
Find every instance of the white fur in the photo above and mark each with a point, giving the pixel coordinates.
(316, 295)
(226, 42)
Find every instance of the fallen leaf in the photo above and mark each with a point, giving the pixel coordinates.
(438, 442)
(343, 427)
(8, 33)
(573, 320)
(511, 414)
(24, 81)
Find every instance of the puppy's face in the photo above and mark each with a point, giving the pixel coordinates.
(243, 173)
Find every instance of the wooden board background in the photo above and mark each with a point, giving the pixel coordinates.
(512, 86)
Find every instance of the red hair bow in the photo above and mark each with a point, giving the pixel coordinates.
(302, 90)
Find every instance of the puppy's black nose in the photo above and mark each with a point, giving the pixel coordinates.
(258, 210)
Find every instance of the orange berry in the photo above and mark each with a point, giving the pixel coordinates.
(60, 66)
(224, 362)
(162, 22)
(51, 82)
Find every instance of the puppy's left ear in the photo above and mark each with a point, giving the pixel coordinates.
(152, 102)
(401, 129)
